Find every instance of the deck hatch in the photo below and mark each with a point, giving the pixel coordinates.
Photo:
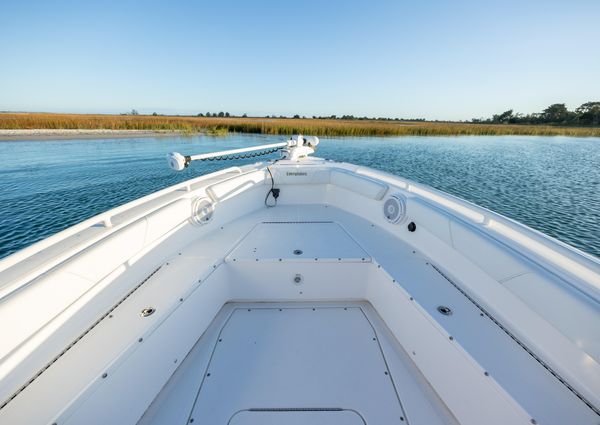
(296, 417)
(298, 361)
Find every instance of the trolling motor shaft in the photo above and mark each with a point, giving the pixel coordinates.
(295, 148)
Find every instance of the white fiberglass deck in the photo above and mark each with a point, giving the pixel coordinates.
(308, 363)
(319, 310)
(323, 239)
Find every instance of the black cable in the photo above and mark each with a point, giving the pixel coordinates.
(242, 156)
(272, 191)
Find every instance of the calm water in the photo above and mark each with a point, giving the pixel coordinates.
(550, 184)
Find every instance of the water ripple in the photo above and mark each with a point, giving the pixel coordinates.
(549, 183)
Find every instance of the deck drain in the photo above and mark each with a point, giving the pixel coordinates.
(147, 311)
(297, 252)
(446, 311)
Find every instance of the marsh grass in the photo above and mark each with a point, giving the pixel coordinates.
(284, 126)
(218, 131)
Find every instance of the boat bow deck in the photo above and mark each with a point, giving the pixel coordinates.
(319, 310)
(297, 363)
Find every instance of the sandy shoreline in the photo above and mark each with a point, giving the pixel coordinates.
(54, 134)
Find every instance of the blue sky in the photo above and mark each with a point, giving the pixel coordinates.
(430, 59)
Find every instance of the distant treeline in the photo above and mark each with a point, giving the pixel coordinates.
(587, 114)
(304, 117)
(221, 115)
(352, 117)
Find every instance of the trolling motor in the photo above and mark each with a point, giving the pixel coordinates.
(298, 146)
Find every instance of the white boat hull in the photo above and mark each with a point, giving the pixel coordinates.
(321, 309)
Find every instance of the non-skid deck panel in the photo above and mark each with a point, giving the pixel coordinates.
(297, 357)
(299, 241)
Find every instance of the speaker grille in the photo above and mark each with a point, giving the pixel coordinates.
(202, 211)
(394, 208)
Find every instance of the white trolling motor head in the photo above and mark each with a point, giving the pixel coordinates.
(177, 161)
(300, 146)
(300, 140)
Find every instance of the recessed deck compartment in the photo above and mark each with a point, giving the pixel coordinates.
(297, 358)
(296, 363)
